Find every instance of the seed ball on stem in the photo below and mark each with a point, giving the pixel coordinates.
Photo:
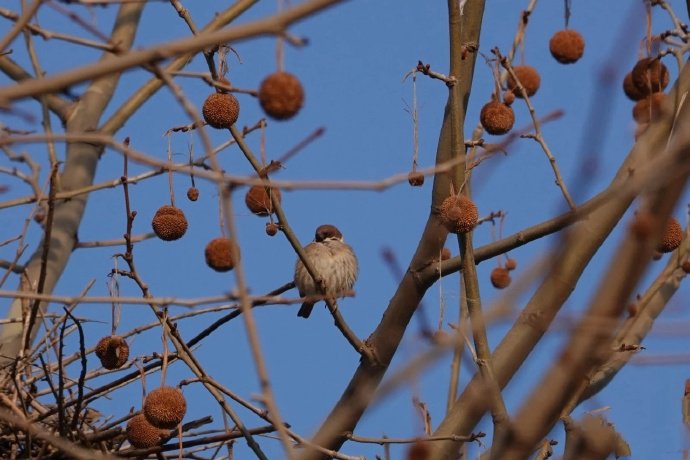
(221, 110)
(169, 223)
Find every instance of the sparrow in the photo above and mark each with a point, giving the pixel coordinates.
(334, 261)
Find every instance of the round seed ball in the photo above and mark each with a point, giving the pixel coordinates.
(445, 254)
(221, 110)
(271, 228)
(165, 407)
(281, 95)
(500, 278)
(141, 434)
(112, 351)
(415, 179)
(169, 223)
(419, 450)
(496, 118)
(508, 97)
(567, 46)
(650, 76)
(673, 234)
(528, 76)
(511, 264)
(459, 214)
(258, 199)
(192, 193)
(648, 109)
(630, 89)
(219, 255)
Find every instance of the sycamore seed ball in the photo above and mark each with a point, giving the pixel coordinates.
(648, 109)
(529, 78)
(459, 214)
(221, 110)
(415, 179)
(511, 264)
(672, 236)
(112, 351)
(630, 89)
(281, 95)
(650, 76)
(192, 193)
(497, 118)
(219, 254)
(567, 46)
(169, 223)
(165, 407)
(500, 278)
(141, 434)
(258, 199)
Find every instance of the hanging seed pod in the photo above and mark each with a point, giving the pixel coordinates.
(112, 351)
(219, 254)
(528, 76)
(567, 46)
(281, 95)
(459, 214)
(221, 110)
(169, 223)
(165, 407)
(497, 118)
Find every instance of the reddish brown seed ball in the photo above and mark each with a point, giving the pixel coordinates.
(419, 450)
(672, 236)
(511, 264)
(141, 434)
(221, 110)
(219, 254)
(165, 407)
(258, 199)
(648, 109)
(650, 76)
(271, 228)
(567, 46)
(459, 214)
(415, 179)
(281, 95)
(630, 89)
(497, 118)
(529, 78)
(112, 351)
(508, 98)
(169, 223)
(192, 193)
(445, 254)
(500, 278)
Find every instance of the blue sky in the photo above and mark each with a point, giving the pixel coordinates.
(352, 71)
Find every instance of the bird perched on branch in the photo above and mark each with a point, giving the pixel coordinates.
(334, 261)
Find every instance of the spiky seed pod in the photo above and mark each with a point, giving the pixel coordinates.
(630, 89)
(648, 109)
(112, 351)
(219, 255)
(650, 76)
(258, 199)
(419, 450)
(281, 95)
(165, 407)
(445, 254)
(511, 264)
(169, 223)
(415, 179)
(221, 110)
(141, 434)
(192, 193)
(673, 234)
(500, 278)
(508, 97)
(528, 76)
(567, 46)
(496, 118)
(271, 228)
(459, 214)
